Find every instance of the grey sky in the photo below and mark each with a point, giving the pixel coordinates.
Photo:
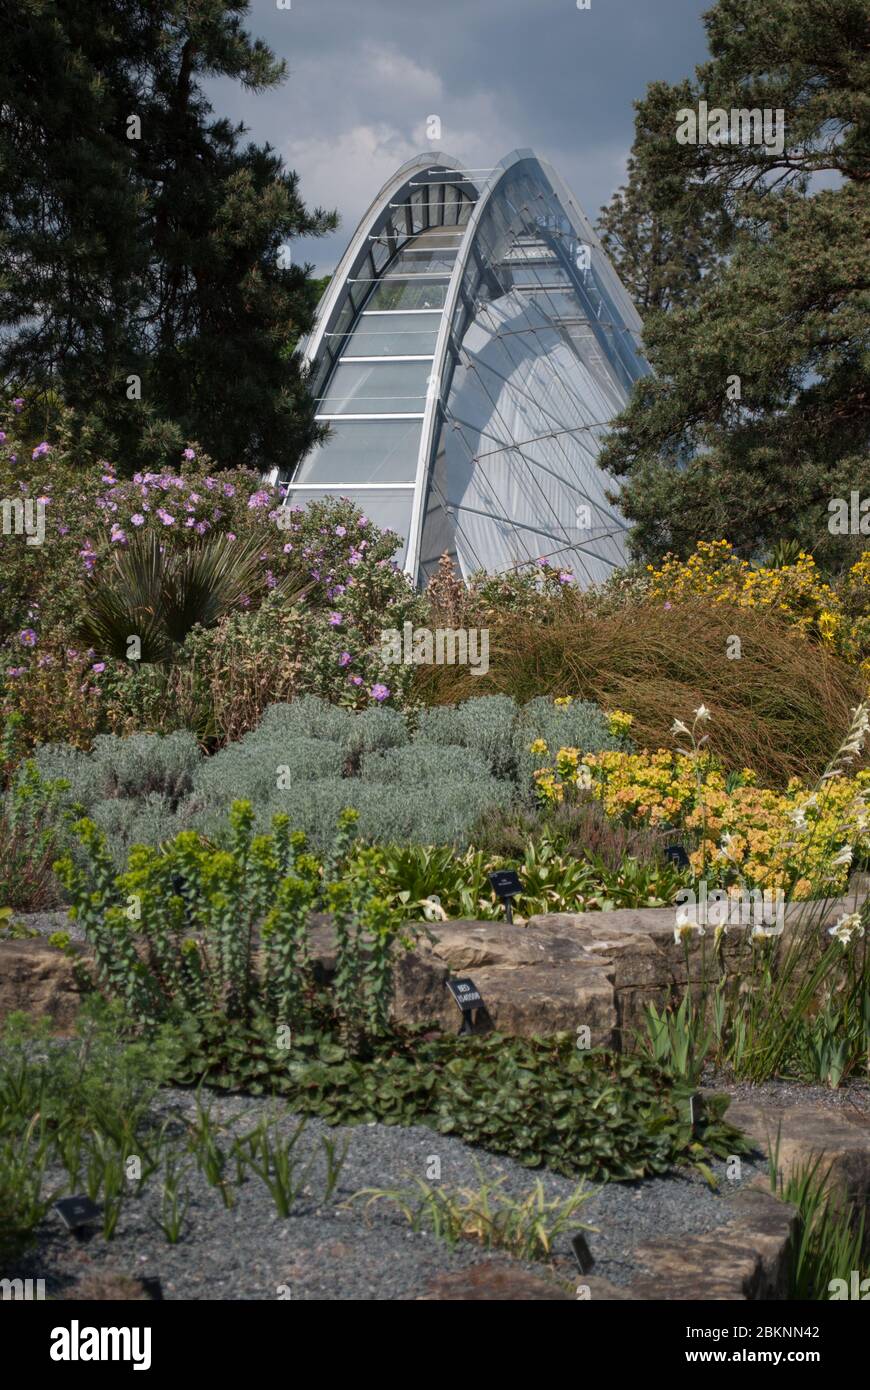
(364, 75)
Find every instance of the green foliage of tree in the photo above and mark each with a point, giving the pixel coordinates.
(140, 236)
(660, 259)
(786, 311)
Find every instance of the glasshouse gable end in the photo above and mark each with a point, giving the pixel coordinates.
(470, 352)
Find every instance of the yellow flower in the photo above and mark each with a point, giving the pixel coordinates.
(618, 721)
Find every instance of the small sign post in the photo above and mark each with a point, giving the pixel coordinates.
(676, 855)
(582, 1253)
(76, 1213)
(468, 999)
(506, 885)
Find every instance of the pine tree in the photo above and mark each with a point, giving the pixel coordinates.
(141, 237)
(759, 411)
(661, 263)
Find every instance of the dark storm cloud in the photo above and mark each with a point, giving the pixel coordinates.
(364, 75)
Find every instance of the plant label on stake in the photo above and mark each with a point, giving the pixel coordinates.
(468, 998)
(77, 1212)
(506, 885)
(582, 1253)
(676, 855)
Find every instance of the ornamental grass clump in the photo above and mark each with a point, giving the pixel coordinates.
(191, 930)
(776, 700)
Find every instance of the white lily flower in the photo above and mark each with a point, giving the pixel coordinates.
(678, 727)
(702, 712)
(843, 856)
(848, 926)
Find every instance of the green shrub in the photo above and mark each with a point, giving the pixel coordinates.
(307, 717)
(485, 725)
(226, 930)
(310, 759)
(417, 765)
(128, 821)
(85, 778)
(250, 768)
(579, 724)
(141, 764)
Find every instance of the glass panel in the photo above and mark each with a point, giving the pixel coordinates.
(419, 208)
(388, 335)
(365, 451)
(376, 388)
(408, 294)
(416, 259)
(533, 275)
(388, 508)
(380, 255)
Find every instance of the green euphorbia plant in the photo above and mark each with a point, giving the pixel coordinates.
(207, 932)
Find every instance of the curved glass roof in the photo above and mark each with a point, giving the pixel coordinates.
(469, 353)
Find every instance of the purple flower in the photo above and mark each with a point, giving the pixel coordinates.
(356, 680)
(210, 483)
(16, 670)
(667, 605)
(288, 547)
(363, 521)
(107, 478)
(340, 531)
(63, 530)
(189, 521)
(380, 692)
(200, 528)
(27, 637)
(41, 449)
(271, 581)
(137, 519)
(335, 619)
(256, 499)
(345, 659)
(229, 490)
(165, 517)
(231, 535)
(2, 437)
(189, 455)
(18, 404)
(98, 666)
(118, 534)
(566, 579)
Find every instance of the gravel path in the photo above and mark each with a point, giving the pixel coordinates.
(332, 1252)
(851, 1095)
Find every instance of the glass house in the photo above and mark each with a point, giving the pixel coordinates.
(471, 349)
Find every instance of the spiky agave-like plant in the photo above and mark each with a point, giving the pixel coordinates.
(158, 593)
